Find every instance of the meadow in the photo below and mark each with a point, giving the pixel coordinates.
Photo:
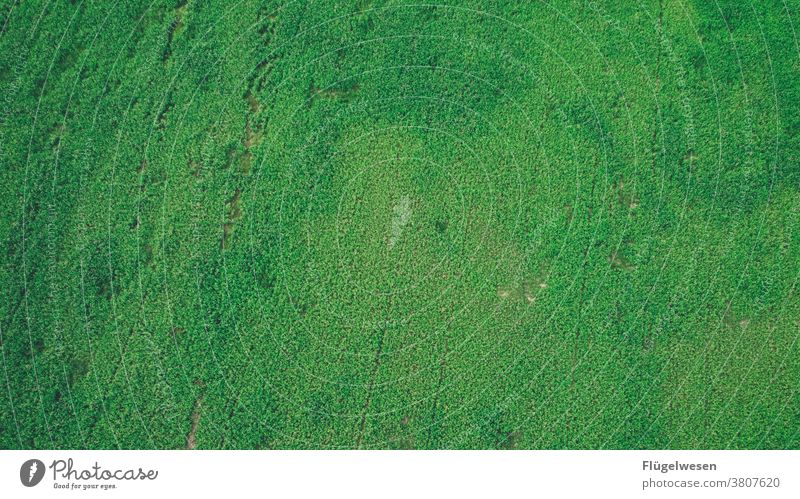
(391, 224)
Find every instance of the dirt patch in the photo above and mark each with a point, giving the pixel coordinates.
(731, 321)
(618, 261)
(196, 168)
(342, 93)
(235, 206)
(526, 291)
(245, 162)
(234, 214)
(252, 102)
(402, 215)
(252, 137)
(191, 437)
(176, 27)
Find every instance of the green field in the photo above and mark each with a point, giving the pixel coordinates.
(390, 224)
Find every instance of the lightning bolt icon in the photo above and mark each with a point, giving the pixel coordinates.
(34, 467)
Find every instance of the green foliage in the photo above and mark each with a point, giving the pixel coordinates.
(261, 224)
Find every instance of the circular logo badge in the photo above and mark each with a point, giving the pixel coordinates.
(31, 472)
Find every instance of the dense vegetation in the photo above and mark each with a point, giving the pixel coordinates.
(381, 224)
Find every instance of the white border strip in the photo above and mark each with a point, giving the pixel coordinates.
(406, 474)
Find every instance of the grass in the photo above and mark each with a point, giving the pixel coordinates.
(393, 225)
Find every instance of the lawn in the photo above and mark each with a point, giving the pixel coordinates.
(389, 224)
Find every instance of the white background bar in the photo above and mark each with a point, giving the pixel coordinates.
(411, 474)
